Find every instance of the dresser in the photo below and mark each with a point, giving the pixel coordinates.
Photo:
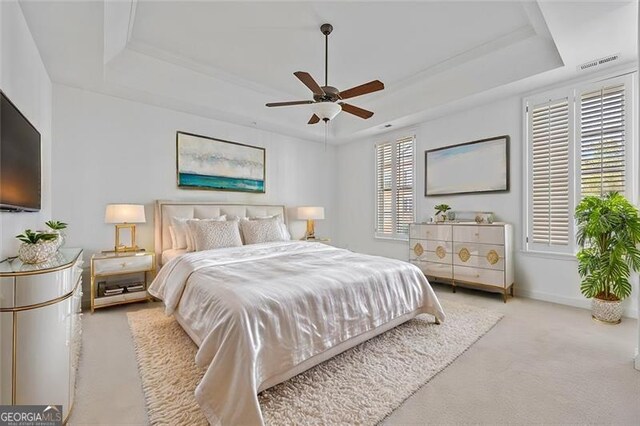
(40, 326)
(478, 255)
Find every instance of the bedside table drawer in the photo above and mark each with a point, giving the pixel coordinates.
(123, 264)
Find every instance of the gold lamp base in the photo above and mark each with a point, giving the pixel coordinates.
(119, 247)
(311, 233)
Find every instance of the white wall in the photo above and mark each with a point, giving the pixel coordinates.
(24, 79)
(544, 278)
(110, 150)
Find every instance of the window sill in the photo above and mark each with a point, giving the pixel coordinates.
(391, 239)
(549, 255)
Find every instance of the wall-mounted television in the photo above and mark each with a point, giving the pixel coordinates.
(20, 160)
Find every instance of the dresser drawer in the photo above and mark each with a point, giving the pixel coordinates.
(438, 270)
(478, 275)
(430, 232)
(479, 234)
(122, 264)
(479, 262)
(479, 255)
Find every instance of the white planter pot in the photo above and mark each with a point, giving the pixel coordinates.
(607, 311)
(37, 253)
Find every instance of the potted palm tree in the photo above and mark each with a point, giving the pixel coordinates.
(608, 235)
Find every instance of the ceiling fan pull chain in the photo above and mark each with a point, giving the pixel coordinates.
(326, 132)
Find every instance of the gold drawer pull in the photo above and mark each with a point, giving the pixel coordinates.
(493, 257)
(441, 252)
(464, 254)
(418, 249)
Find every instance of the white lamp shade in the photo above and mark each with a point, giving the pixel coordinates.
(124, 213)
(326, 110)
(305, 213)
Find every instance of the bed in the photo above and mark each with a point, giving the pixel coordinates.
(263, 313)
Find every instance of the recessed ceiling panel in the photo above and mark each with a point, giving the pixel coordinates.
(265, 43)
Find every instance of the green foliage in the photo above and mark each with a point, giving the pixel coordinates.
(31, 237)
(442, 208)
(56, 225)
(608, 235)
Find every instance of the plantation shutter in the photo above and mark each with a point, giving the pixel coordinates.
(404, 185)
(384, 189)
(395, 202)
(549, 137)
(602, 141)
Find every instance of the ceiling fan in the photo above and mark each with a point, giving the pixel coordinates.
(327, 100)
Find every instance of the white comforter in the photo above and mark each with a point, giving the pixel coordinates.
(256, 312)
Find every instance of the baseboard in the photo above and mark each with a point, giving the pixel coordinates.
(570, 301)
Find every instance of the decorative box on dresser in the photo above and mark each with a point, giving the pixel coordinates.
(478, 255)
(40, 334)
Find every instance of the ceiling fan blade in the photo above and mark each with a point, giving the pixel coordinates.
(362, 113)
(279, 104)
(314, 119)
(308, 81)
(363, 89)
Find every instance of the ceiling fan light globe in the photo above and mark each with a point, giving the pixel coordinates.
(326, 110)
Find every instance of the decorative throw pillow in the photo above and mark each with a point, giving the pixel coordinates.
(286, 236)
(213, 234)
(181, 237)
(262, 231)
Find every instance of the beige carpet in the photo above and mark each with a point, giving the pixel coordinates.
(360, 386)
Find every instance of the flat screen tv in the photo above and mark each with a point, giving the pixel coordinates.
(20, 167)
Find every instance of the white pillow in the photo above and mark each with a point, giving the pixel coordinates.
(262, 231)
(211, 234)
(286, 236)
(173, 237)
(181, 237)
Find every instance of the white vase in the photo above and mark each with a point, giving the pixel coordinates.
(61, 238)
(38, 252)
(607, 311)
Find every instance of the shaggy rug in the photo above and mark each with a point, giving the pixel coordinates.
(360, 386)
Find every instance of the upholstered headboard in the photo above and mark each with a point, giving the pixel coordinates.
(164, 210)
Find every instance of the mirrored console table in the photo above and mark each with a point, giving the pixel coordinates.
(40, 330)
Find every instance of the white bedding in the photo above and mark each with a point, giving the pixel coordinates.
(260, 312)
(169, 255)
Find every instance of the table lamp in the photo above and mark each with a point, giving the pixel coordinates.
(310, 214)
(125, 216)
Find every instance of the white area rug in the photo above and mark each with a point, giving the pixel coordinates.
(360, 386)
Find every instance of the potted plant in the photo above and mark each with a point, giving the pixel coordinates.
(441, 212)
(608, 235)
(57, 228)
(36, 246)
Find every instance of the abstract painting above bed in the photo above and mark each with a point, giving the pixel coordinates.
(214, 164)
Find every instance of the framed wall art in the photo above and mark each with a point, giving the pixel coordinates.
(468, 168)
(215, 164)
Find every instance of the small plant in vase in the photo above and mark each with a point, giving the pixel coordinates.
(57, 228)
(608, 236)
(441, 212)
(36, 246)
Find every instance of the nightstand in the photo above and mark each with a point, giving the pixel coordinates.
(120, 277)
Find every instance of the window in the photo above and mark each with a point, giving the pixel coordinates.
(549, 124)
(395, 195)
(577, 145)
(602, 141)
